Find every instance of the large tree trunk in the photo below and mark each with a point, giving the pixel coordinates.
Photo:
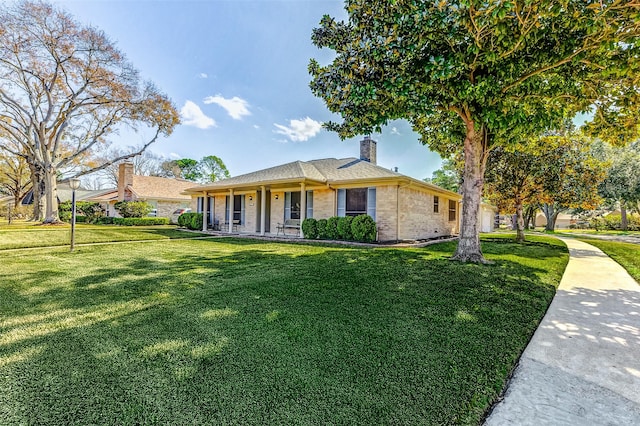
(37, 188)
(530, 217)
(624, 223)
(468, 249)
(519, 221)
(51, 195)
(551, 212)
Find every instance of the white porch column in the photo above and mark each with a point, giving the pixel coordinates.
(231, 211)
(303, 206)
(263, 209)
(205, 205)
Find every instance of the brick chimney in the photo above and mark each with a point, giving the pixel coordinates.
(125, 178)
(368, 150)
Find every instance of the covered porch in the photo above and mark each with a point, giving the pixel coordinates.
(270, 209)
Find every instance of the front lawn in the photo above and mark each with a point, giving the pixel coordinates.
(59, 235)
(246, 332)
(600, 232)
(626, 254)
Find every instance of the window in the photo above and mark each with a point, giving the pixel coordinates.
(238, 209)
(436, 204)
(292, 205)
(452, 210)
(309, 204)
(357, 201)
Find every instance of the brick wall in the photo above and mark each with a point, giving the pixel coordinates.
(386, 212)
(277, 210)
(251, 213)
(166, 208)
(324, 203)
(417, 219)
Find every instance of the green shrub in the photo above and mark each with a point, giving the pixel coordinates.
(332, 228)
(613, 222)
(140, 221)
(88, 211)
(363, 228)
(344, 228)
(183, 219)
(105, 220)
(322, 229)
(310, 228)
(133, 208)
(196, 222)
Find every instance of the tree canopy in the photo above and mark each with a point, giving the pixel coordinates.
(65, 89)
(470, 75)
(552, 172)
(448, 176)
(209, 169)
(622, 182)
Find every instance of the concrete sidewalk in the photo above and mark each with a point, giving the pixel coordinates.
(582, 366)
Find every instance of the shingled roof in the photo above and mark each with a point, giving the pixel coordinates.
(326, 170)
(150, 188)
(159, 188)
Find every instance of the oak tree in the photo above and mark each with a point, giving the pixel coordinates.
(66, 89)
(472, 74)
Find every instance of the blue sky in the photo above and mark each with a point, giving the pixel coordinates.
(237, 71)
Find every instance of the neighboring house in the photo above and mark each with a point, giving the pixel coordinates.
(563, 221)
(403, 208)
(165, 195)
(63, 192)
(487, 218)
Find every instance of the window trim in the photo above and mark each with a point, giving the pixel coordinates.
(453, 208)
(370, 202)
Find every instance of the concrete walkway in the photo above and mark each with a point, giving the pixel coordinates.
(633, 239)
(582, 366)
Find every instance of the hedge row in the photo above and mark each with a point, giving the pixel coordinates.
(359, 228)
(140, 221)
(613, 222)
(190, 221)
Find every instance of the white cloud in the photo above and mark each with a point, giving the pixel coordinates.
(235, 107)
(394, 131)
(192, 115)
(203, 75)
(174, 155)
(299, 130)
(255, 126)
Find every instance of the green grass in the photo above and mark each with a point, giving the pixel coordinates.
(601, 232)
(246, 332)
(59, 235)
(626, 254)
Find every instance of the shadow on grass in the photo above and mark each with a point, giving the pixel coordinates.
(239, 331)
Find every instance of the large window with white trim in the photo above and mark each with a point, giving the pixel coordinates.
(357, 201)
(292, 205)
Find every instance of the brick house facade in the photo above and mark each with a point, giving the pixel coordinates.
(403, 208)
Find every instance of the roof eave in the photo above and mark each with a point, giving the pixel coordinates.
(250, 185)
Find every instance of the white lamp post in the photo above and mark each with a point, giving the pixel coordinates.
(74, 184)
